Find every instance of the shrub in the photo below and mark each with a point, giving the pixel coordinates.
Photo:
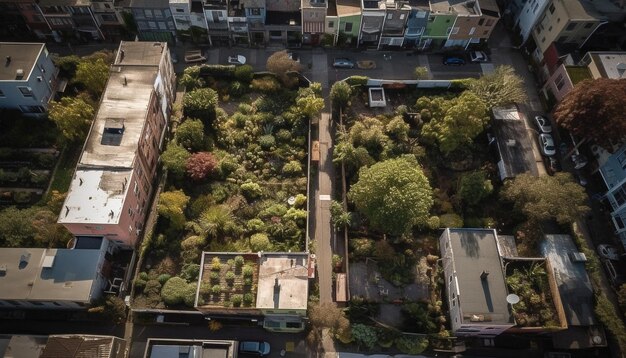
(248, 271)
(173, 291)
(215, 276)
(433, 223)
(244, 73)
(216, 264)
(140, 284)
(364, 336)
(190, 272)
(255, 225)
(300, 200)
(292, 168)
(218, 71)
(248, 298)
(192, 242)
(190, 134)
(267, 141)
(247, 281)
(411, 345)
(259, 242)
(189, 297)
(200, 165)
(200, 103)
(239, 261)
(152, 291)
(251, 190)
(362, 247)
(236, 89)
(283, 136)
(22, 197)
(450, 220)
(216, 290)
(236, 300)
(143, 276)
(340, 93)
(163, 278)
(230, 277)
(357, 80)
(265, 84)
(205, 288)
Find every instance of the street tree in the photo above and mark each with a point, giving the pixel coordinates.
(93, 75)
(595, 109)
(200, 165)
(172, 205)
(500, 87)
(190, 134)
(421, 73)
(73, 117)
(394, 195)
(280, 64)
(556, 197)
(340, 94)
(474, 187)
(16, 229)
(175, 159)
(454, 122)
(200, 103)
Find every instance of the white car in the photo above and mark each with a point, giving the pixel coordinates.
(546, 143)
(543, 124)
(608, 252)
(237, 60)
(478, 56)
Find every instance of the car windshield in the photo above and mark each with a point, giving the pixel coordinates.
(549, 147)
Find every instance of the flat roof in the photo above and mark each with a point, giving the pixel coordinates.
(348, 7)
(23, 56)
(145, 53)
(70, 277)
(572, 280)
(283, 281)
(513, 142)
(150, 4)
(21, 346)
(460, 7)
(64, 2)
(193, 348)
(475, 251)
(610, 64)
(78, 345)
(96, 196)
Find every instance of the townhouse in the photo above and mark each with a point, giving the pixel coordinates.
(154, 20)
(28, 77)
(113, 181)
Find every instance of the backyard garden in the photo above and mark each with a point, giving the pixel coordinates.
(236, 179)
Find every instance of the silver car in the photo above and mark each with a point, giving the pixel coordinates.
(478, 56)
(343, 63)
(543, 124)
(546, 143)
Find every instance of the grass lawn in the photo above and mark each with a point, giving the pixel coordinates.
(65, 169)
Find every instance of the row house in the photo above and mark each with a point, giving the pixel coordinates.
(114, 178)
(343, 21)
(417, 22)
(313, 21)
(283, 22)
(383, 23)
(70, 19)
(217, 24)
(14, 23)
(28, 77)
(154, 20)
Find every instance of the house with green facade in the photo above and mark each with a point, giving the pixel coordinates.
(438, 27)
(348, 21)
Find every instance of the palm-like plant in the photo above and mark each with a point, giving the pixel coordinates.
(215, 220)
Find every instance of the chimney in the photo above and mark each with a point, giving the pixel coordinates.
(484, 274)
(8, 61)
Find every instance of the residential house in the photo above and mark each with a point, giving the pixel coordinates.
(21, 345)
(113, 182)
(73, 19)
(416, 24)
(109, 16)
(154, 20)
(281, 281)
(217, 24)
(438, 26)
(313, 21)
(394, 24)
(189, 19)
(163, 347)
(474, 22)
(13, 20)
(246, 21)
(372, 18)
(526, 14)
(348, 22)
(52, 278)
(79, 345)
(28, 77)
(476, 265)
(511, 144)
(283, 22)
(584, 331)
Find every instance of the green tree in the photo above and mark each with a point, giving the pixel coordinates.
(190, 134)
(340, 94)
(16, 229)
(411, 345)
(200, 165)
(474, 187)
(244, 73)
(595, 109)
(200, 103)
(454, 122)
(173, 292)
(328, 315)
(308, 102)
(280, 64)
(369, 133)
(93, 75)
(421, 73)
(73, 117)
(500, 87)
(175, 159)
(172, 205)
(394, 195)
(364, 336)
(547, 197)
(338, 216)
(260, 242)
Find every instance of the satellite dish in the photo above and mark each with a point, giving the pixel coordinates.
(597, 340)
(512, 299)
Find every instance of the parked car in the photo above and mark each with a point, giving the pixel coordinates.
(614, 272)
(478, 56)
(343, 63)
(237, 60)
(546, 144)
(579, 160)
(608, 252)
(453, 61)
(194, 57)
(543, 124)
(257, 348)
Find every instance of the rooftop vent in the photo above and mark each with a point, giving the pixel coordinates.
(48, 261)
(113, 131)
(19, 74)
(577, 257)
(3, 270)
(24, 260)
(8, 61)
(511, 142)
(484, 274)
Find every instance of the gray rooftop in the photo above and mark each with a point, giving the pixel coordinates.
(21, 346)
(192, 348)
(146, 53)
(79, 346)
(461, 7)
(572, 279)
(150, 4)
(71, 276)
(475, 251)
(64, 2)
(23, 56)
(513, 142)
(283, 281)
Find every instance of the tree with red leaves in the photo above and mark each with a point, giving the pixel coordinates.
(200, 164)
(595, 110)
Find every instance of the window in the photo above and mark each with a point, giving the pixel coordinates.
(108, 17)
(622, 160)
(618, 222)
(551, 8)
(489, 22)
(152, 25)
(402, 16)
(1, 94)
(558, 19)
(543, 40)
(481, 22)
(550, 28)
(471, 31)
(331, 24)
(158, 13)
(562, 39)
(559, 82)
(293, 324)
(348, 27)
(148, 13)
(255, 11)
(571, 26)
(32, 109)
(389, 16)
(107, 6)
(180, 10)
(26, 91)
(535, 8)
(455, 30)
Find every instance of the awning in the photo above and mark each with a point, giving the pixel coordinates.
(313, 27)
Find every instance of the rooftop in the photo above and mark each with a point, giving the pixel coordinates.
(23, 56)
(610, 64)
(461, 7)
(150, 4)
(348, 7)
(22, 346)
(64, 3)
(84, 346)
(577, 73)
(168, 348)
(48, 274)
(475, 251)
(513, 143)
(283, 281)
(581, 10)
(145, 53)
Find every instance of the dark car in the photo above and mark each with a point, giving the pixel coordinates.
(257, 348)
(343, 63)
(453, 61)
(615, 272)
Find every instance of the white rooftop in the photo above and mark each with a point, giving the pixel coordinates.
(96, 196)
(614, 64)
(283, 281)
(71, 277)
(506, 113)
